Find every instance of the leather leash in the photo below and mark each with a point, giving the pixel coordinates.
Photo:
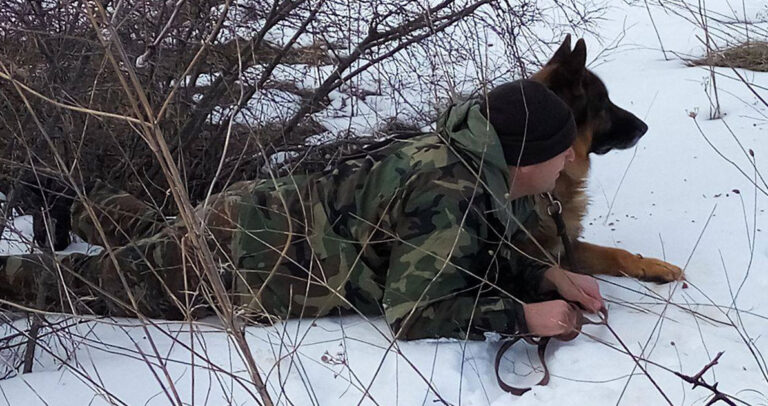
(554, 209)
(541, 343)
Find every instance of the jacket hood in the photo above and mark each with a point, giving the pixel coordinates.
(468, 130)
(465, 128)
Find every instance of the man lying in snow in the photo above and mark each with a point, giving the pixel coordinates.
(420, 229)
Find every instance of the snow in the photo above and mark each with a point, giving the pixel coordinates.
(17, 236)
(671, 197)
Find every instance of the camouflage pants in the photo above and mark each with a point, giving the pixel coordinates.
(148, 267)
(143, 268)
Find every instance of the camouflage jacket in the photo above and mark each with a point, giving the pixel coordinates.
(419, 229)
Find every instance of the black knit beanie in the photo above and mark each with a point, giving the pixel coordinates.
(545, 131)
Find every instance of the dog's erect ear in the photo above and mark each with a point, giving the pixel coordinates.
(577, 60)
(563, 52)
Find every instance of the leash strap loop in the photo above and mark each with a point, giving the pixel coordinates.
(541, 343)
(542, 349)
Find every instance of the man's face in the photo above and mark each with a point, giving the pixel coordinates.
(544, 175)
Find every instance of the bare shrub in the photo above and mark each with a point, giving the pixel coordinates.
(750, 55)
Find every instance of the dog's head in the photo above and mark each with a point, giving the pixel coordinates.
(607, 125)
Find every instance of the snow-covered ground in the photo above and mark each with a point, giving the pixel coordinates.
(674, 196)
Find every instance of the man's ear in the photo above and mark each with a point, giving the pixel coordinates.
(515, 171)
(525, 169)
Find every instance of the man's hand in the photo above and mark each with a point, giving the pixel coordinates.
(554, 318)
(582, 289)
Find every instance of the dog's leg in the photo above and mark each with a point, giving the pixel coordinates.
(596, 259)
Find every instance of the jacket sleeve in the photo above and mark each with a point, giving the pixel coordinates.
(434, 286)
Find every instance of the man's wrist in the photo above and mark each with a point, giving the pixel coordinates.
(549, 281)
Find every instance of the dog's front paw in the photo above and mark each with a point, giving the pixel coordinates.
(655, 270)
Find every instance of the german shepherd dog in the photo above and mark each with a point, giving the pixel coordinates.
(602, 126)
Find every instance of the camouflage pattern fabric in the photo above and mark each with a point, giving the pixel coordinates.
(123, 217)
(416, 229)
